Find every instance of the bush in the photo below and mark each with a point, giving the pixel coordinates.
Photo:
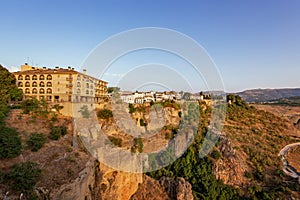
(105, 114)
(10, 143)
(57, 132)
(115, 141)
(24, 176)
(36, 141)
(131, 108)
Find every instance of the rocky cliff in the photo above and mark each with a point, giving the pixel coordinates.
(164, 189)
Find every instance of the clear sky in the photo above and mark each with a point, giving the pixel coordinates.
(255, 44)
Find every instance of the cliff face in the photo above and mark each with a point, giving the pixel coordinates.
(83, 187)
(118, 185)
(164, 189)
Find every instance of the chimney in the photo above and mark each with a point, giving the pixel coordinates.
(72, 69)
(26, 63)
(69, 67)
(56, 67)
(84, 71)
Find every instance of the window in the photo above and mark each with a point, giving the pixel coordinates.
(78, 77)
(27, 77)
(87, 92)
(20, 84)
(27, 91)
(34, 84)
(48, 98)
(49, 91)
(49, 77)
(91, 92)
(34, 91)
(27, 84)
(87, 85)
(92, 86)
(78, 91)
(34, 77)
(42, 91)
(20, 77)
(78, 84)
(42, 84)
(49, 84)
(42, 77)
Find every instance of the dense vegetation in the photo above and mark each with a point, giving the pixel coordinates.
(10, 141)
(196, 170)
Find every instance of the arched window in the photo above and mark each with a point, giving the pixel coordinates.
(42, 91)
(87, 92)
(27, 91)
(49, 84)
(78, 84)
(42, 77)
(34, 91)
(34, 77)
(49, 91)
(42, 84)
(92, 86)
(78, 77)
(49, 77)
(78, 91)
(20, 77)
(91, 93)
(34, 84)
(87, 85)
(27, 77)
(27, 84)
(20, 84)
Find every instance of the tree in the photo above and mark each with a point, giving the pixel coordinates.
(8, 87)
(36, 141)
(113, 89)
(10, 143)
(57, 107)
(131, 108)
(24, 176)
(105, 114)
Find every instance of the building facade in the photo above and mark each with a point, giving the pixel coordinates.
(60, 85)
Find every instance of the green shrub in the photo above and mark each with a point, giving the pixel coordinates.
(105, 114)
(142, 123)
(10, 143)
(57, 132)
(36, 141)
(24, 176)
(137, 144)
(131, 108)
(115, 141)
(215, 154)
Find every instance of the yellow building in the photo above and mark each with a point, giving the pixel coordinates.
(60, 85)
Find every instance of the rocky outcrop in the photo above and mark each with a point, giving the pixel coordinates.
(297, 125)
(228, 168)
(164, 189)
(83, 187)
(118, 185)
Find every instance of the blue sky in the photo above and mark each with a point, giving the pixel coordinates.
(255, 44)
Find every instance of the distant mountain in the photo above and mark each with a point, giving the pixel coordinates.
(263, 95)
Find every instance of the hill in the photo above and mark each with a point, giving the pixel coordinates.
(263, 95)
